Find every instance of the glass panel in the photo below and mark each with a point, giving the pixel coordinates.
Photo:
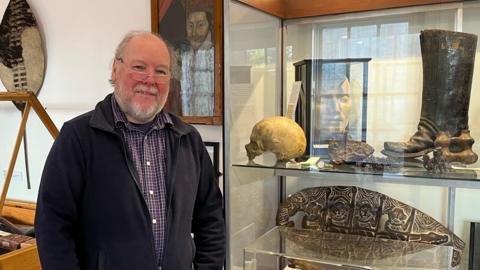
(465, 177)
(393, 79)
(471, 24)
(338, 101)
(309, 249)
(254, 90)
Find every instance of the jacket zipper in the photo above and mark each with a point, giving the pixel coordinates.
(167, 227)
(130, 169)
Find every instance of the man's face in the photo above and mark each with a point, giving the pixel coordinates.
(142, 78)
(197, 28)
(334, 109)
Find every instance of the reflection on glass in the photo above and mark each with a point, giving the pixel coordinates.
(333, 110)
(339, 96)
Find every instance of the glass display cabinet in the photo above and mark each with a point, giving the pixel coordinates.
(388, 41)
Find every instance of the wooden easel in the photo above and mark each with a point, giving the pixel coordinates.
(24, 258)
(31, 102)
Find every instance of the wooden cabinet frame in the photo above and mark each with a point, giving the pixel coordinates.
(289, 9)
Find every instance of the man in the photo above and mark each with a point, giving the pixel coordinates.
(197, 63)
(127, 185)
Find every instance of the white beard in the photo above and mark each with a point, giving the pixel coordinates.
(133, 110)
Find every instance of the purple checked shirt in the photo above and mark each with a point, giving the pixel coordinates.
(146, 146)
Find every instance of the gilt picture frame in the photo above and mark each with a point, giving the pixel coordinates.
(193, 31)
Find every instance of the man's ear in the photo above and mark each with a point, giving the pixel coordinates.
(113, 76)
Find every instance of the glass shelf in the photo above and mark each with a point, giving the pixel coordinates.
(288, 248)
(411, 173)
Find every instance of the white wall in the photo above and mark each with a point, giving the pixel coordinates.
(79, 38)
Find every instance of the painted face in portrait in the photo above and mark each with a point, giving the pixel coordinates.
(334, 108)
(141, 78)
(198, 28)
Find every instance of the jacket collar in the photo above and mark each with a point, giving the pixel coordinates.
(102, 118)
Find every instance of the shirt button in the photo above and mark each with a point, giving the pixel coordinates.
(151, 192)
(148, 163)
(154, 221)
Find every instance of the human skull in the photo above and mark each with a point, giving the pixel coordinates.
(279, 135)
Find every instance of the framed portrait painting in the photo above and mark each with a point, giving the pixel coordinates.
(193, 32)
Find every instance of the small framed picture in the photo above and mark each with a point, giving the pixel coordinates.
(213, 149)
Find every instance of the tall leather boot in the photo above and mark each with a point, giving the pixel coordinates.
(448, 59)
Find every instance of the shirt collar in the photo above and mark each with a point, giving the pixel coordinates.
(120, 119)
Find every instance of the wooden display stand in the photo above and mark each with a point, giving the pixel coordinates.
(21, 212)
